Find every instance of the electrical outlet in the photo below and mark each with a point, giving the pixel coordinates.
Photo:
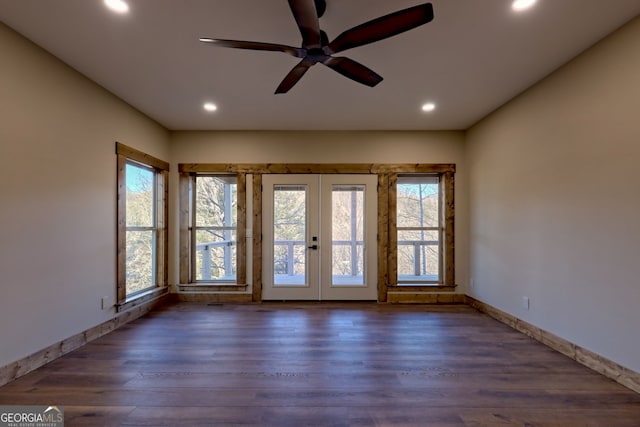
(526, 303)
(104, 302)
(472, 283)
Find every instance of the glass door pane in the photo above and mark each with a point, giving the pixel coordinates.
(347, 254)
(289, 235)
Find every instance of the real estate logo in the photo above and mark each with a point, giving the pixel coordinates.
(31, 416)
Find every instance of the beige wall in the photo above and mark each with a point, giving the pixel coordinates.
(326, 147)
(58, 192)
(555, 202)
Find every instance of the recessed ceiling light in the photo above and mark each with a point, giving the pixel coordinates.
(210, 106)
(428, 107)
(519, 5)
(119, 6)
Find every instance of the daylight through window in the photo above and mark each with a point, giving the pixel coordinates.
(214, 228)
(419, 230)
(142, 233)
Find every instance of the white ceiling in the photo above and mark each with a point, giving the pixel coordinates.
(475, 56)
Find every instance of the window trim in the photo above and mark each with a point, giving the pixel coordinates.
(447, 212)
(186, 250)
(127, 155)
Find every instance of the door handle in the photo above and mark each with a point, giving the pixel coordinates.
(314, 247)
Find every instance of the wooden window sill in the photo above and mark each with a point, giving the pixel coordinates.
(142, 298)
(211, 287)
(420, 288)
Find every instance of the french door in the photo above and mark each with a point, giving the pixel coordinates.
(319, 237)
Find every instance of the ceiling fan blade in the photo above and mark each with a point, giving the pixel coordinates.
(294, 76)
(382, 28)
(306, 15)
(321, 7)
(353, 70)
(238, 44)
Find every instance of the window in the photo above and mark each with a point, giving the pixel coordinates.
(141, 229)
(419, 230)
(142, 234)
(214, 228)
(421, 249)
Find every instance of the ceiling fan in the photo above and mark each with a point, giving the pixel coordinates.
(316, 47)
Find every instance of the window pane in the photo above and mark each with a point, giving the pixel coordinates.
(347, 220)
(289, 235)
(418, 256)
(418, 203)
(216, 255)
(140, 196)
(216, 201)
(216, 207)
(141, 260)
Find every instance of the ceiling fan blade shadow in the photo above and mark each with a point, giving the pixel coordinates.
(382, 28)
(239, 44)
(353, 70)
(306, 16)
(294, 76)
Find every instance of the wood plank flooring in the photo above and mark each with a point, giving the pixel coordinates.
(306, 364)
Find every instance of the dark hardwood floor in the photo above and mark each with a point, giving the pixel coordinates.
(305, 364)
